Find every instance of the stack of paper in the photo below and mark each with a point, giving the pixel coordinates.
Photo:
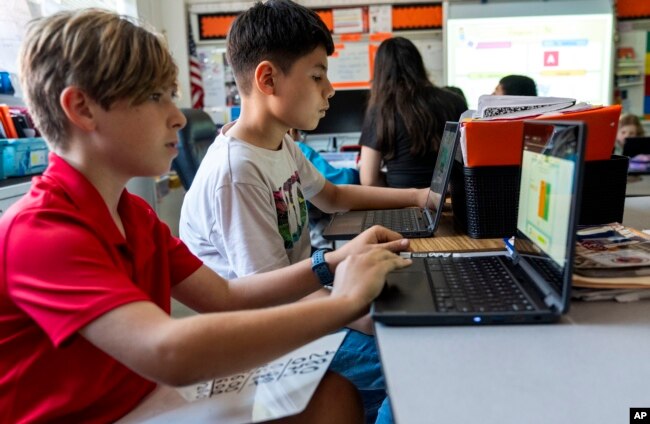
(612, 256)
(515, 107)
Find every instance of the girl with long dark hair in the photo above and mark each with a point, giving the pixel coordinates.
(405, 118)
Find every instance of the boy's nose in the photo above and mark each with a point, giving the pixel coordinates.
(330, 92)
(178, 120)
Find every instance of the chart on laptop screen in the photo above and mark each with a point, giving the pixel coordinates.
(545, 202)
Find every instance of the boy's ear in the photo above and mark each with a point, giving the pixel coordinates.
(265, 77)
(78, 108)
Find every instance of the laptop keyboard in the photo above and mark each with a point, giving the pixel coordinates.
(480, 284)
(400, 220)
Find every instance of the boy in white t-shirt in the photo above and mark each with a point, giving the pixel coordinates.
(246, 209)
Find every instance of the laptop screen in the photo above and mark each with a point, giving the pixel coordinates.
(441, 172)
(636, 146)
(547, 190)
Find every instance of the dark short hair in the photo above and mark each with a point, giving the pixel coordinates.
(518, 85)
(280, 31)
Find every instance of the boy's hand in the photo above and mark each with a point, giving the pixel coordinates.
(376, 236)
(423, 198)
(361, 277)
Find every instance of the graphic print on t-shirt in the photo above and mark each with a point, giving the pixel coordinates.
(291, 209)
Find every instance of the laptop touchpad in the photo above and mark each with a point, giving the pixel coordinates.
(406, 290)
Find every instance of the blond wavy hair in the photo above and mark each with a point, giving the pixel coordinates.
(108, 56)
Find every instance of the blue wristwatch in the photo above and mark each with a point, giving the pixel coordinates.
(319, 266)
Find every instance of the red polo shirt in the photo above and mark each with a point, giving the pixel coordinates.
(63, 263)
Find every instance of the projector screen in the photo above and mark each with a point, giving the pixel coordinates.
(568, 54)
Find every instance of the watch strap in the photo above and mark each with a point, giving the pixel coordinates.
(320, 267)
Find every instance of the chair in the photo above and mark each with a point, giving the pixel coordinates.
(194, 140)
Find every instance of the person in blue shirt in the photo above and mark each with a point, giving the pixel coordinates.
(318, 219)
(333, 174)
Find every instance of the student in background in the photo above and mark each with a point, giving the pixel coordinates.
(318, 219)
(87, 269)
(333, 174)
(629, 125)
(245, 212)
(456, 90)
(516, 85)
(405, 119)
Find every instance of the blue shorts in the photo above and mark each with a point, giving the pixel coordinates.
(358, 360)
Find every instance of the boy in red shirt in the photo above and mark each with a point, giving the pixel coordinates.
(87, 269)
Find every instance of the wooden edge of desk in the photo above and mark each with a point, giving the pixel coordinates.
(449, 239)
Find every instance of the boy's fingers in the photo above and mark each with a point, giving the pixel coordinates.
(402, 262)
(383, 234)
(397, 262)
(395, 246)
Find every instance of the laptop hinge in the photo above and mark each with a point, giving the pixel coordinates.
(551, 298)
(427, 213)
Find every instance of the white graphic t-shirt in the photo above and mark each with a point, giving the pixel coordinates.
(246, 210)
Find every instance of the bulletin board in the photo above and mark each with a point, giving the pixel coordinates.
(357, 33)
(352, 64)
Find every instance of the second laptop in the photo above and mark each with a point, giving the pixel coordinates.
(409, 222)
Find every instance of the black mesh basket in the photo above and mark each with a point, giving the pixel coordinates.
(485, 199)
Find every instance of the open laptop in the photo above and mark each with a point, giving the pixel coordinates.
(410, 222)
(636, 146)
(633, 147)
(529, 282)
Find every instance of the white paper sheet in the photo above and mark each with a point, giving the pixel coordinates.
(278, 389)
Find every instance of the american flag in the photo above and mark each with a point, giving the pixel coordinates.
(196, 82)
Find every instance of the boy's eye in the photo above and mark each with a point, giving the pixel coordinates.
(156, 97)
(317, 78)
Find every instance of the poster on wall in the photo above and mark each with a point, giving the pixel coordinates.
(348, 21)
(349, 65)
(212, 69)
(380, 18)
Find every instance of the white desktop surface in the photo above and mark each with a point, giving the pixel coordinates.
(638, 185)
(589, 368)
(637, 212)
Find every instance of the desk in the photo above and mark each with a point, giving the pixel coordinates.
(638, 185)
(448, 239)
(589, 368)
(637, 212)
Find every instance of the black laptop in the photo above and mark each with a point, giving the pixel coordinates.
(530, 281)
(636, 146)
(633, 147)
(410, 222)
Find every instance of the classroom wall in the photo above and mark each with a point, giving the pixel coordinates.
(170, 17)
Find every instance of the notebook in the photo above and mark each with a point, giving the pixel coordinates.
(410, 222)
(528, 282)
